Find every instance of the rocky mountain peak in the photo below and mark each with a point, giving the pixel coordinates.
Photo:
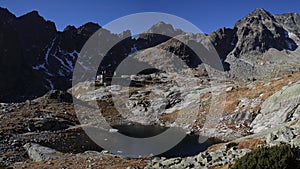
(70, 28)
(257, 17)
(4, 10)
(157, 34)
(88, 28)
(260, 31)
(5, 15)
(32, 13)
(35, 18)
(291, 21)
(34, 23)
(162, 27)
(290, 17)
(260, 12)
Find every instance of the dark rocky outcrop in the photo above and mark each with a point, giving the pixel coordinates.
(35, 57)
(10, 54)
(61, 96)
(224, 41)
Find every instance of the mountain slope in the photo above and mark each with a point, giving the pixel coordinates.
(259, 46)
(35, 57)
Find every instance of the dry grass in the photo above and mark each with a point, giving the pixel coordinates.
(214, 147)
(233, 97)
(221, 167)
(294, 122)
(84, 161)
(251, 144)
(171, 117)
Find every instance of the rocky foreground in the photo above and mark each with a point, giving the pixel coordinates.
(45, 132)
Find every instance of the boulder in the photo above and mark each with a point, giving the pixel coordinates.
(61, 96)
(37, 152)
(47, 124)
(278, 109)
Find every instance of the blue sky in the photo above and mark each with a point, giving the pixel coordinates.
(206, 15)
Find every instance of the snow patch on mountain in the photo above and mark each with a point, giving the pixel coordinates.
(50, 84)
(38, 67)
(49, 50)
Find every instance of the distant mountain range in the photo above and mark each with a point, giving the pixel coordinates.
(36, 58)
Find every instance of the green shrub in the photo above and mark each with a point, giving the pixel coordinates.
(277, 157)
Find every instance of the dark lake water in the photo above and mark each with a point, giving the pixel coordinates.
(134, 145)
(187, 147)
